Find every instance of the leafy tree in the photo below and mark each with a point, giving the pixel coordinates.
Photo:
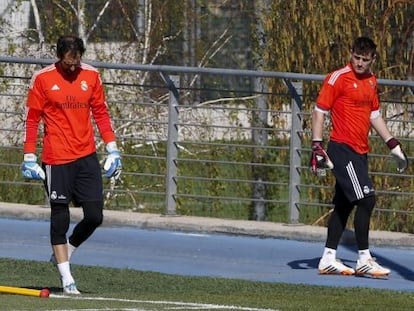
(315, 36)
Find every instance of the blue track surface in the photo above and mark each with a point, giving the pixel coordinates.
(227, 256)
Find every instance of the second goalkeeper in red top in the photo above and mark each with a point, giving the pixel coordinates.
(350, 95)
(65, 96)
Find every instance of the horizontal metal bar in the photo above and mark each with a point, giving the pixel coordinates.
(200, 70)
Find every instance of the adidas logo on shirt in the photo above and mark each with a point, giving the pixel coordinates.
(55, 87)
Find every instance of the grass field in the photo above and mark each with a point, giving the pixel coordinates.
(130, 290)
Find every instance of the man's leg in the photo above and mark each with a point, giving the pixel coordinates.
(338, 220)
(362, 221)
(366, 264)
(93, 217)
(328, 263)
(59, 225)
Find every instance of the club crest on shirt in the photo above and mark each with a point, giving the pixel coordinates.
(84, 85)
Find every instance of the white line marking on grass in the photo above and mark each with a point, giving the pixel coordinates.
(106, 309)
(170, 305)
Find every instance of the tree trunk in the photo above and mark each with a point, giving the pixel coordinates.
(259, 119)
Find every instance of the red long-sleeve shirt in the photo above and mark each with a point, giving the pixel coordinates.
(65, 105)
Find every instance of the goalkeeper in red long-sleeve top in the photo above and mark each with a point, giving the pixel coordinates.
(64, 96)
(350, 96)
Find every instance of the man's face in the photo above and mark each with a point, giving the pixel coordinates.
(362, 62)
(69, 63)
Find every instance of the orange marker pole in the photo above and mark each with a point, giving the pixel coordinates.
(44, 293)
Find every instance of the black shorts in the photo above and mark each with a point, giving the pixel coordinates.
(76, 182)
(351, 171)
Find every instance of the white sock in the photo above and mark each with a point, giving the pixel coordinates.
(364, 255)
(64, 270)
(71, 249)
(329, 253)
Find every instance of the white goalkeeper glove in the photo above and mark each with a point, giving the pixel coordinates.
(398, 153)
(30, 168)
(112, 166)
(319, 161)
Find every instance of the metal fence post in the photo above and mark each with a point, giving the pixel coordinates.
(296, 90)
(172, 151)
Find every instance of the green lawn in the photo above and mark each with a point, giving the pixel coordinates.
(124, 289)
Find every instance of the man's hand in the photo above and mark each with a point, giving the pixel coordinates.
(30, 168)
(398, 153)
(319, 161)
(112, 166)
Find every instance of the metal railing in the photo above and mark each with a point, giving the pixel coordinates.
(211, 150)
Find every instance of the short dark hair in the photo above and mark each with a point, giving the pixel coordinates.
(71, 44)
(363, 46)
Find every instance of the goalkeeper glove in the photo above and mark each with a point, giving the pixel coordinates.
(320, 160)
(112, 166)
(30, 168)
(398, 154)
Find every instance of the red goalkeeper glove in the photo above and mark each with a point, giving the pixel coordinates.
(320, 160)
(398, 153)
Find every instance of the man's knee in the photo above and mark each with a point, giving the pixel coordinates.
(93, 213)
(367, 203)
(59, 223)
